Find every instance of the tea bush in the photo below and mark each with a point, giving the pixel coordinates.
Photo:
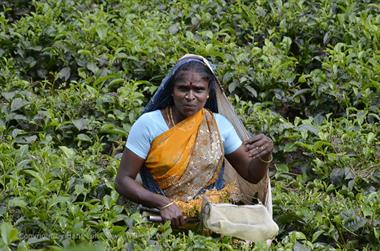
(74, 76)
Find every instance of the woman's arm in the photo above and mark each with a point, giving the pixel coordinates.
(127, 186)
(252, 158)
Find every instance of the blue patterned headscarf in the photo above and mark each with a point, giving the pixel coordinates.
(162, 98)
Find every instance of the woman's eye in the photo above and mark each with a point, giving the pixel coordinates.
(200, 90)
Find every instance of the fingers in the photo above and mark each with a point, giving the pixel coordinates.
(260, 151)
(259, 146)
(177, 221)
(256, 141)
(174, 215)
(182, 220)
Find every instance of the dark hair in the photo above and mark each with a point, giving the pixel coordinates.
(197, 67)
(205, 74)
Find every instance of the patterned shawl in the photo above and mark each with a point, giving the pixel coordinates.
(188, 157)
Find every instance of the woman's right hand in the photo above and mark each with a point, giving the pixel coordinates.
(173, 214)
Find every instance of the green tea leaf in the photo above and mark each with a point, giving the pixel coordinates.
(81, 124)
(309, 128)
(18, 103)
(17, 202)
(173, 29)
(252, 91)
(92, 67)
(64, 73)
(26, 139)
(316, 235)
(9, 234)
(84, 137)
(300, 247)
(101, 30)
(298, 235)
(370, 137)
(8, 95)
(35, 175)
(70, 153)
(111, 129)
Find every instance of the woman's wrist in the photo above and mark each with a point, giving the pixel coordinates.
(167, 205)
(267, 159)
(163, 201)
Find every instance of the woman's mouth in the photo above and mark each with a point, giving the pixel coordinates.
(189, 107)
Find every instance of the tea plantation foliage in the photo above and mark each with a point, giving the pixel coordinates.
(74, 76)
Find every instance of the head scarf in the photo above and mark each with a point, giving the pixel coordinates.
(162, 98)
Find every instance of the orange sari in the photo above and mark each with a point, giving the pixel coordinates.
(187, 157)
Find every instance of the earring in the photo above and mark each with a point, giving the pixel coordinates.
(208, 96)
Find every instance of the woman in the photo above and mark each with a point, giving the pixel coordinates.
(179, 144)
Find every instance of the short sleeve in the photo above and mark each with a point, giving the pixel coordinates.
(138, 140)
(146, 128)
(231, 140)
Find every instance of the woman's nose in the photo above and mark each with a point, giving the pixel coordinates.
(189, 95)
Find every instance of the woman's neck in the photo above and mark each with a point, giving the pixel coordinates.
(176, 116)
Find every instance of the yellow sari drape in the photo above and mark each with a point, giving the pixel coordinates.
(187, 157)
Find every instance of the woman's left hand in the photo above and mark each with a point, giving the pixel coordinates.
(259, 146)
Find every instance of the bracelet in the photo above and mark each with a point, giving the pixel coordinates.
(267, 161)
(167, 205)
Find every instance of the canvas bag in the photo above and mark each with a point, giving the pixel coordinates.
(247, 222)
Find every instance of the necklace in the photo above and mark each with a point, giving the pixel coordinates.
(171, 116)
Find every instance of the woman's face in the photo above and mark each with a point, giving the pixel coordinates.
(190, 93)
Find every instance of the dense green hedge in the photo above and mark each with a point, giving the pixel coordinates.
(74, 76)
